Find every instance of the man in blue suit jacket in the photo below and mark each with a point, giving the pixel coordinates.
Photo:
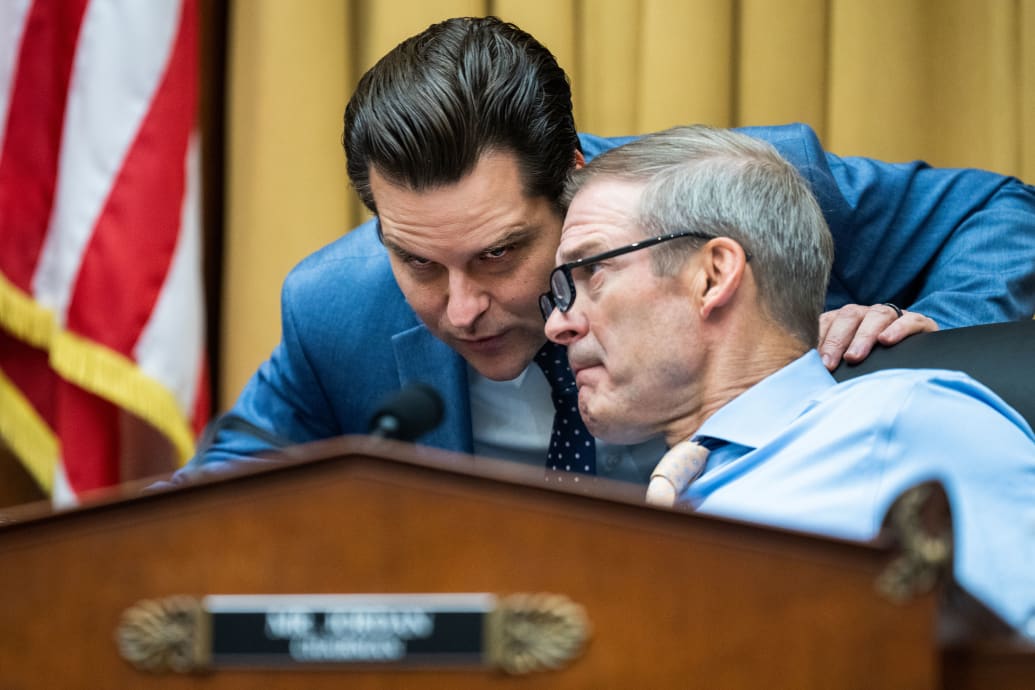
(459, 141)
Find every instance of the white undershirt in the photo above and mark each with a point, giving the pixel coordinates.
(513, 420)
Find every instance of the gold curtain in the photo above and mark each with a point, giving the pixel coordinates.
(947, 81)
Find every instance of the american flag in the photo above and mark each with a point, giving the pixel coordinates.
(102, 366)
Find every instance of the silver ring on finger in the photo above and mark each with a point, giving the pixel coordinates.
(894, 307)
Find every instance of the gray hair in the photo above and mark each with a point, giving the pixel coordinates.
(723, 183)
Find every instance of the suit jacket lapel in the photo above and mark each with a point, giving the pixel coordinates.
(421, 357)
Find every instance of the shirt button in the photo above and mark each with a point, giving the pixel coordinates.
(611, 461)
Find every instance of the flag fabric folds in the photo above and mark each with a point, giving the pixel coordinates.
(101, 312)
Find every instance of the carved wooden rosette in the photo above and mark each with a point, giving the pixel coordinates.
(920, 523)
(171, 634)
(535, 632)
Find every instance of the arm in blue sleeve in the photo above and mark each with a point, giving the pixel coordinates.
(340, 308)
(983, 453)
(284, 399)
(956, 245)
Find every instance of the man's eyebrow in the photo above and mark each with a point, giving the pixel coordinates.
(515, 236)
(394, 248)
(589, 247)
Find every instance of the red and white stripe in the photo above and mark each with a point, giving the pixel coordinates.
(99, 211)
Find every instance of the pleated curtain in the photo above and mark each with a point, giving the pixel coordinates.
(951, 82)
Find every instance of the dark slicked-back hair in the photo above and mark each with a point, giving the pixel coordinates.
(426, 112)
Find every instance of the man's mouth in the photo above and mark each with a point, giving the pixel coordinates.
(484, 342)
(580, 369)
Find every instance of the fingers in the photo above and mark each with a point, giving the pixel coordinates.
(851, 331)
(911, 323)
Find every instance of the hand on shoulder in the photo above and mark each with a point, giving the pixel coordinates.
(851, 331)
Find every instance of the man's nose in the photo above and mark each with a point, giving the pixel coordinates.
(467, 300)
(566, 327)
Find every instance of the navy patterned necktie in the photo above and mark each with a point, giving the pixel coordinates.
(572, 448)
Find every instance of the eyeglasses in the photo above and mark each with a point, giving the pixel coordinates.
(562, 285)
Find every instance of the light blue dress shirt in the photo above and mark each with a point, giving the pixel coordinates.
(810, 454)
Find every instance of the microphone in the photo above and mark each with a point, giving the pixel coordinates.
(406, 414)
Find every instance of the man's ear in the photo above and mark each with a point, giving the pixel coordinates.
(722, 262)
(580, 160)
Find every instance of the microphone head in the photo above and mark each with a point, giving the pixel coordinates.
(408, 413)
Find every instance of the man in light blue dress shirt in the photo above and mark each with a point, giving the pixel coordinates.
(692, 269)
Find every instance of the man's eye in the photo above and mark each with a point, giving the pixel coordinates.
(592, 276)
(496, 252)
(411, 260)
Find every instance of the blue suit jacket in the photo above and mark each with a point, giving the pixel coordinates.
(956, 245)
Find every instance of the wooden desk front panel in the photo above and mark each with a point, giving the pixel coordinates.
(675, 601)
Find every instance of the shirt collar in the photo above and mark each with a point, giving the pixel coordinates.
(760, 413)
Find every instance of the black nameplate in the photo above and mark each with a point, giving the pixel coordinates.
(417, 630)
